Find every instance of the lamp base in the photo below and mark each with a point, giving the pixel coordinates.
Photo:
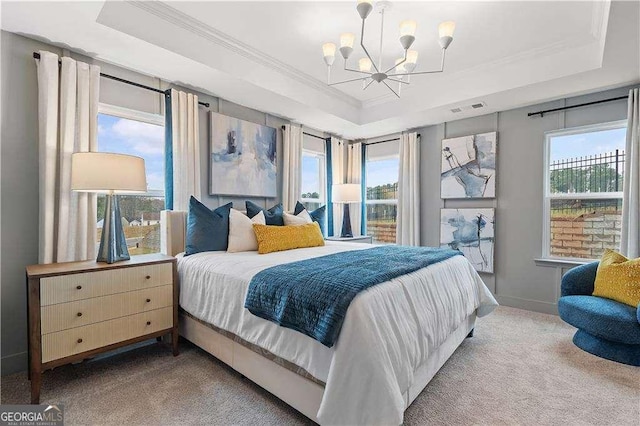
(346, 223)
(113, 244)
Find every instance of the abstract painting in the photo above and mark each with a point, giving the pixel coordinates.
(243, 158)
(469, 167)
(472, 232)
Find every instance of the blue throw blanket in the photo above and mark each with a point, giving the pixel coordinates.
(312, 296)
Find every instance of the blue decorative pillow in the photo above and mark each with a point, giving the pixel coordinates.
(317, 215)
(273, 216)
(207, 230)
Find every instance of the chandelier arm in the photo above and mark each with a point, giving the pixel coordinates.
(399, 63)
(423, 72)
(365, 49)
(394, 92)
(349, 81)
(367, 85)
(397, 81)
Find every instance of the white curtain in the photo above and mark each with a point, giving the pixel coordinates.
(354, 175)
(408, 222)
(630, 241)
(291, 167)
(338, 176)
(68, 122)
(186, 148)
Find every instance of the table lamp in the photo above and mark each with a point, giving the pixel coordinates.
(110, 174)
(345, 193)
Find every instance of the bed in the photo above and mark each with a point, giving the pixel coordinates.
(394, 339)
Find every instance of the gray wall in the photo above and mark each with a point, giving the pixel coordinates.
(19, 170)
(518, 281)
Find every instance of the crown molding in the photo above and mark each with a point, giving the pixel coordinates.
(175, 17)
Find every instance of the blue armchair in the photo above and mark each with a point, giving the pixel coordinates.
(606, 328)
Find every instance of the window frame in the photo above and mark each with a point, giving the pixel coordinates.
(132, 114)
(322, 176)
(548, 195)
(366, 201)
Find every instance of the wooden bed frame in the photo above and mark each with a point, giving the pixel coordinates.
(299, 392)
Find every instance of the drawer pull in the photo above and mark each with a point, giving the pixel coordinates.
(79, 287)
(148, 300)
(79, 314)
(79, 340)
(148, 322)
(148, 277)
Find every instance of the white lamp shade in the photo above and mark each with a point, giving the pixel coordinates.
(446, 29)
(412, 57)
(107, 172)
(346, 39)
(408, 28)
(346, 193)
(364, 64)
(329, 49)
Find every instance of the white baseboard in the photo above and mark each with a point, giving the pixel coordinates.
(529, 305)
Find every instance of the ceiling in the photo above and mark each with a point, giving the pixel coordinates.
(267, 55)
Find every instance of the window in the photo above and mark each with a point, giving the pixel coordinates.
(131, 132)
(381, 180)
(584, 170)
(314, 166)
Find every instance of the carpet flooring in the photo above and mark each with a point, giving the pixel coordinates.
(520, 368)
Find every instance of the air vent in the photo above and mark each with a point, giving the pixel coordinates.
(468, 107)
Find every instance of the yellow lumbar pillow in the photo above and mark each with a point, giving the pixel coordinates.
(618, 278)
(279, 238)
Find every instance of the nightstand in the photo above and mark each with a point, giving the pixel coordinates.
(77, 310)
(359, 239)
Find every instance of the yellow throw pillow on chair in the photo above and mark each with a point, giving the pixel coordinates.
(618, 278)
(279, 238)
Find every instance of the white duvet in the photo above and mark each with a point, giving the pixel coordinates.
(389, 331)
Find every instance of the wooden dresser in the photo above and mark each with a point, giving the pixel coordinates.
(80, 309)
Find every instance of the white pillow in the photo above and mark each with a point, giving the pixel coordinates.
(301, 218)
(241, 234)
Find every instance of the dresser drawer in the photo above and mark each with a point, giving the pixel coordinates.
(80, 339)
(63, 316)
(68, 288)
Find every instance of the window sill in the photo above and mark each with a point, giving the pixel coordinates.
(558, 263)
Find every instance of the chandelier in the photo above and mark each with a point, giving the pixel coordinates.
(403, 67)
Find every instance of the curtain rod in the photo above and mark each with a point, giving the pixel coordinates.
(309, 134)
(542, 113)
(387, 140)
(36, 55)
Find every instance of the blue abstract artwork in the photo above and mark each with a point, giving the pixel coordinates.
(472, 232)
(243, 158)
(469, 166)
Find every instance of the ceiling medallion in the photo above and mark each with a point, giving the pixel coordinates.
(403, 66)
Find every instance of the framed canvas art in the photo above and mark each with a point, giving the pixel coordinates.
(243, 158)
(469, 167)
(472, 232)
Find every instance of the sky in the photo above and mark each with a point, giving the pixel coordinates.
(381, 172)
(135, 138)
(310, 174)
(587, 144)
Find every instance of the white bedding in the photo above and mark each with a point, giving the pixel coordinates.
(389, 331)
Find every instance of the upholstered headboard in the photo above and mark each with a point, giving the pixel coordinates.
(173, 229)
